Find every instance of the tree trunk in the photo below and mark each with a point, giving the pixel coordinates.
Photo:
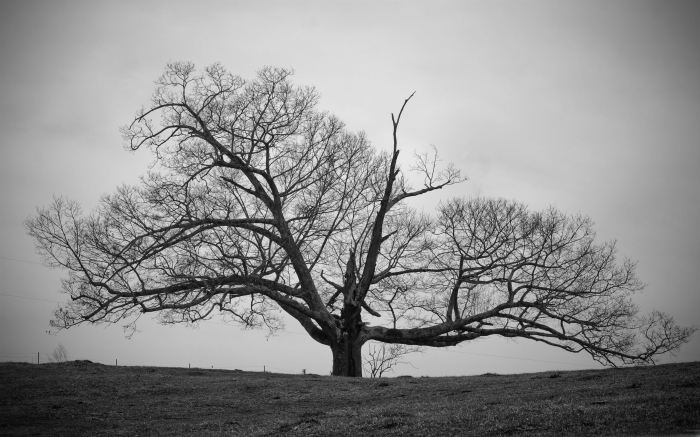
(347, 349)
(347, 357)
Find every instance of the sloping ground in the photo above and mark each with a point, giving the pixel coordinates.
(82, 398)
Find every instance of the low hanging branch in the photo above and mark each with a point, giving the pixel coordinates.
(259, 204)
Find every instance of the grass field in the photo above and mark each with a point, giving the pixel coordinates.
(82, 398)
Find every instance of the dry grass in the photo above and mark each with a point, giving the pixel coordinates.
(82, 398)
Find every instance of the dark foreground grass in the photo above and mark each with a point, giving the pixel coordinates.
(82, 398)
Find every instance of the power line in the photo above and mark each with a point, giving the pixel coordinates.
(509, 357)
(25, 261)
(17, 296)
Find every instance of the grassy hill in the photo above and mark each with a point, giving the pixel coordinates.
(82, 398)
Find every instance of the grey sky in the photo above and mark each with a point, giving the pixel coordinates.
(593, 107)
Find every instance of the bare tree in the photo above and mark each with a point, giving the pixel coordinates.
(59, 355)
(258, 204)
(383, 358)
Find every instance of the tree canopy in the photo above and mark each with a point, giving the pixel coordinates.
(259, 204)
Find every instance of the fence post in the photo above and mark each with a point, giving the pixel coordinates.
(37, 357)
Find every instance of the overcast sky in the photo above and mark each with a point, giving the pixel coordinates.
(589, 106)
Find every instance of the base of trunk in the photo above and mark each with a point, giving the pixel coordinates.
(347, 359)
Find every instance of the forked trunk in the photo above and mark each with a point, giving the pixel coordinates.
(347, 349)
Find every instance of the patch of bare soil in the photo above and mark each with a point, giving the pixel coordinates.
(83, 398)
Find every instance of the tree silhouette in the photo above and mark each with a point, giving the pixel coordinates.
(383, 358)
(259, 204)
(59, 355)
